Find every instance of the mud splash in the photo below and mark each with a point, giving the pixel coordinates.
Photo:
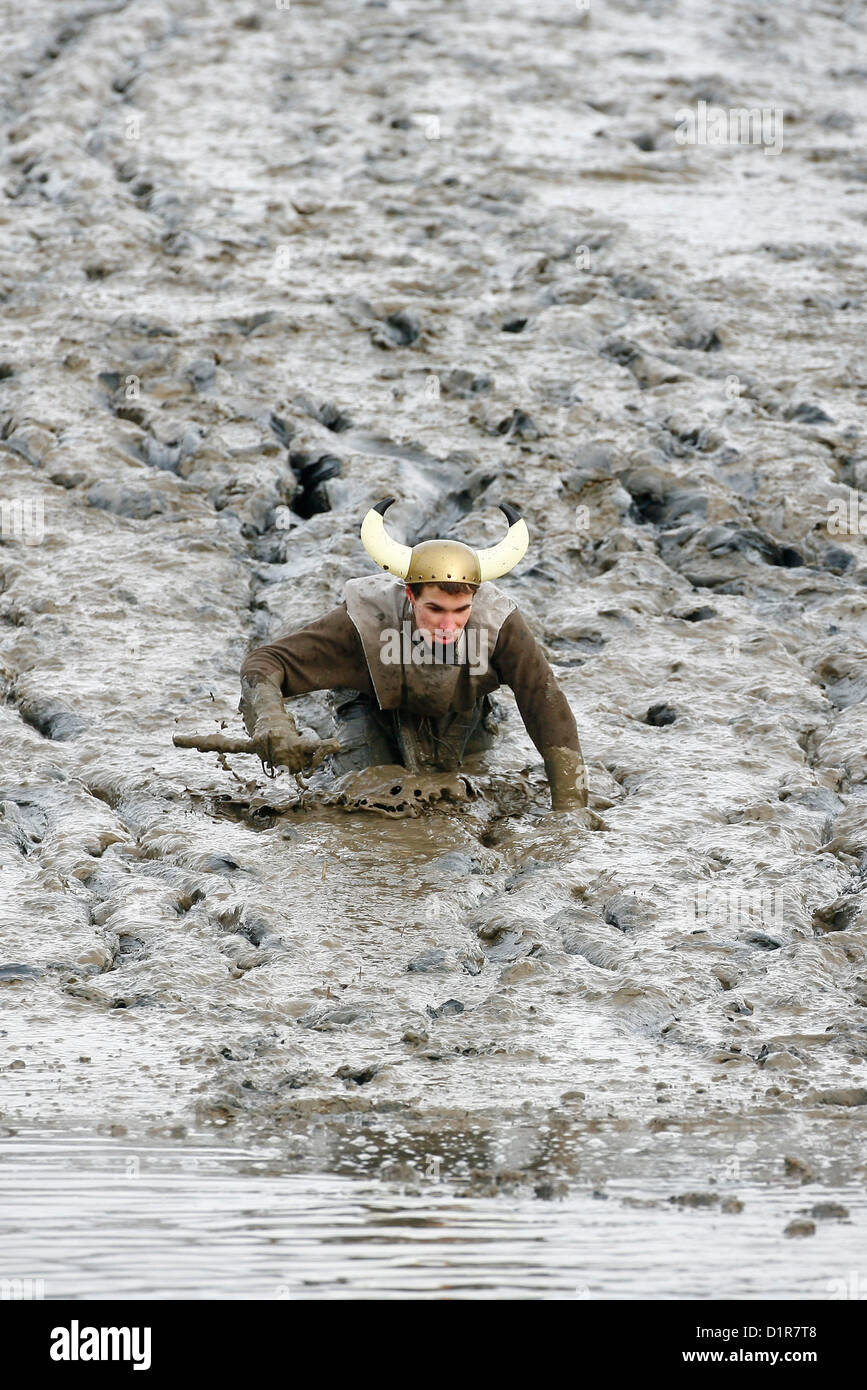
(388, 791)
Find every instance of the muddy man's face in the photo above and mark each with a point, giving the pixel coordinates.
(440, 616)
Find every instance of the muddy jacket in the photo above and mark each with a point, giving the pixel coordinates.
(367, 644)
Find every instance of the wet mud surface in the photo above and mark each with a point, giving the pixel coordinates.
(261, 268)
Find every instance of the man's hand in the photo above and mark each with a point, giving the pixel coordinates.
(280, 745)
(272, 730)
(567, 778)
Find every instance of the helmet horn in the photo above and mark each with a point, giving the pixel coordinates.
(388, 553)
(499, 559)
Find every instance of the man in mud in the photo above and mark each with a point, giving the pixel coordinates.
(411, 657)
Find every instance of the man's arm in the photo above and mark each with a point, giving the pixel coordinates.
(521, 664)
(323, 654)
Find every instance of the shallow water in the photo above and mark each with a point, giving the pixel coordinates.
(215, 222)
(95, 1221)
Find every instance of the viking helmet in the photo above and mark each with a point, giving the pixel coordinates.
(443, 561)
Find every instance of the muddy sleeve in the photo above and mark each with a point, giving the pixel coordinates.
(320, 656)
(521, 664)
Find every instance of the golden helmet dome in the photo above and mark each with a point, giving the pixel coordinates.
(443, 561)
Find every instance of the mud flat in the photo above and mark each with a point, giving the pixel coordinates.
(261, 267)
